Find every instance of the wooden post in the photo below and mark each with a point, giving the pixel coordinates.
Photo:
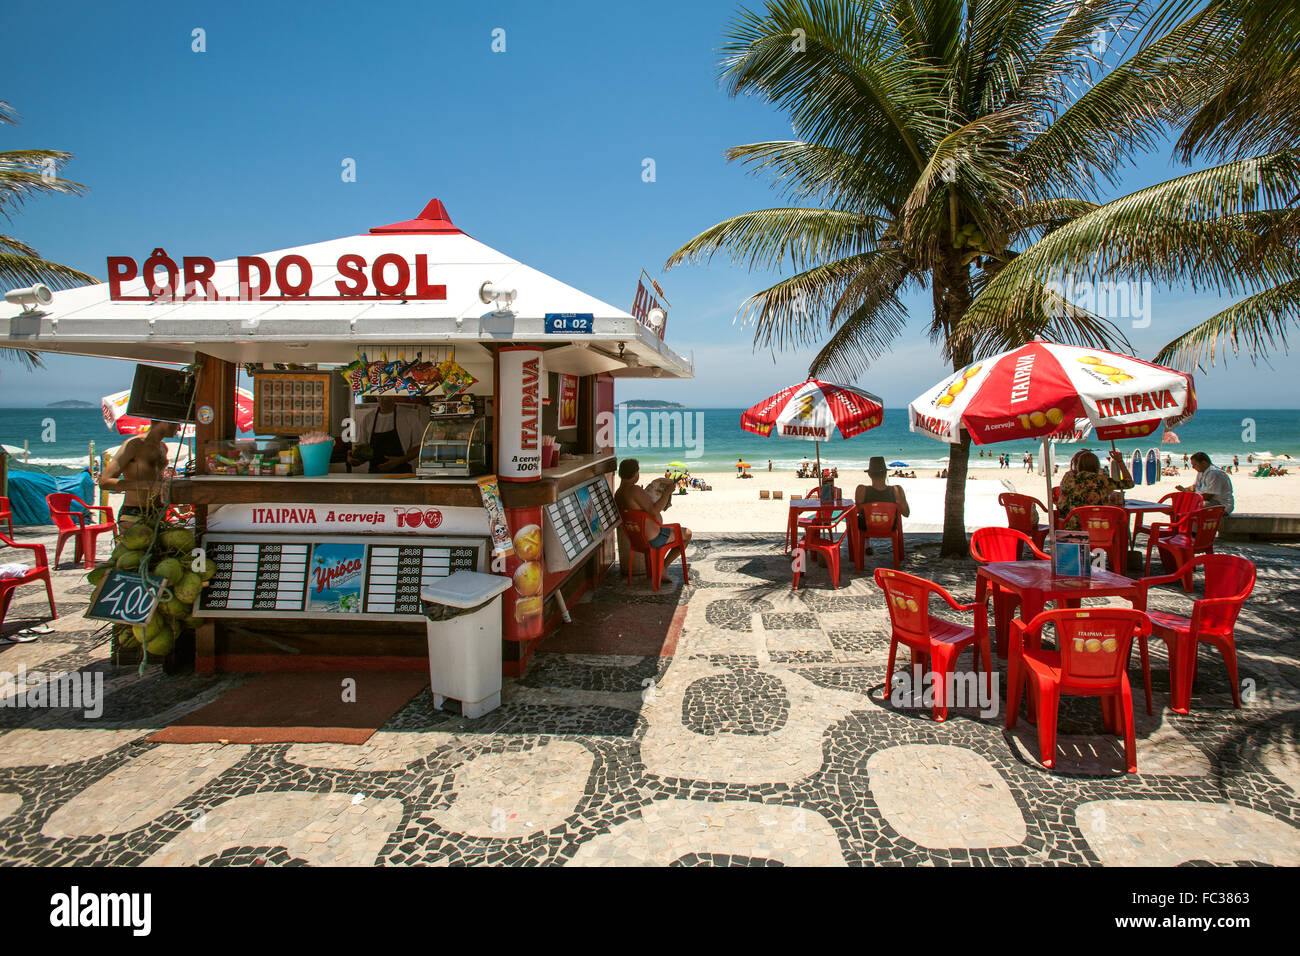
(215, 388)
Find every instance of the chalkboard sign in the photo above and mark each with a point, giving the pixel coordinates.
(124, 598)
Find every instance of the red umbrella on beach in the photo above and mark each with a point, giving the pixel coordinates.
(815, 411)
(1042, 389)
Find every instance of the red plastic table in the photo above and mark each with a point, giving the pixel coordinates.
(1034, 582)
(800, 505)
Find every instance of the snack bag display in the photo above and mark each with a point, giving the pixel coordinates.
(426, 377)
(454, 378)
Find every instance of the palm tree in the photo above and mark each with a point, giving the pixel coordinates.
(25, 173)
(938, 139)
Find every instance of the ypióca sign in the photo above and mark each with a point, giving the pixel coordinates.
(388, 277)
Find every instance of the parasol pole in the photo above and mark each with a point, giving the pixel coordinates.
(819, 461)
(1051, 505)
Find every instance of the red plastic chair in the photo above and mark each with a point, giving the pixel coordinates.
(634, 523)
(1107, 529)
(988, 545)
(882, 521)
(1179, 542)
(7, 515)
(927, 635)
(824, 537)
(72, 524)
(39, 573)
(1020, 513)
(1228, 582)
(1092, 662)
(1181, 503)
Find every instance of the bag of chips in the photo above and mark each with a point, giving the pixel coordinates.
(454, 378)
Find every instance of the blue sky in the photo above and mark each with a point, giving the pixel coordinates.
(537, 151)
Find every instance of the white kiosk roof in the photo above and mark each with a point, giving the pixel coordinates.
(320, 325)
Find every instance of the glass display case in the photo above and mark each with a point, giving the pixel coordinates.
(454, 446)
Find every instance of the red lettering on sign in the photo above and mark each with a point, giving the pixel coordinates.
(378, 274)
(391, 275)
(247, 288)
(304, 275)
(352, 266)
(199, 271)
(120, 269)
(528, 406)
(423, 290)
(325, 577)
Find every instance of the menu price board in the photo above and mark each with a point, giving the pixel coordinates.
(577, 522)
(396, 574)
(252, 576)
(262, 575)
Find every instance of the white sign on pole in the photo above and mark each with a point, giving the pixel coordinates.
(519, 373)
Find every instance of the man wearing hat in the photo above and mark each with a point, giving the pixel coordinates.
(879, 491)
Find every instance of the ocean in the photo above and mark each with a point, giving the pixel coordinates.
(710, 439)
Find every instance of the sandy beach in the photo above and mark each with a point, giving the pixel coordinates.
(734, 505)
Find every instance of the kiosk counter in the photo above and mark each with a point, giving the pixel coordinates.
(464, 402)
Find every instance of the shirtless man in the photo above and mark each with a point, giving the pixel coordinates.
(136, 469)
(632, 497)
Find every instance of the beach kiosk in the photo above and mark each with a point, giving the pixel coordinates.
(394, 373)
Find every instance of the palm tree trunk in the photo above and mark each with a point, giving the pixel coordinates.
(954, 501)
(952, 293)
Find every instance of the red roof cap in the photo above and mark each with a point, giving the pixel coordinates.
(432, 219)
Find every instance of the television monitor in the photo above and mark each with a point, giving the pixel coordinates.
(162, 394)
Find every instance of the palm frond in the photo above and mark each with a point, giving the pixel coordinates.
(17, 269)
(28, 172)
(1186, 230)
(1124, 111)
(29, 360)
(766, 238)
(1256, 325)
(810, 171)
(797, 311)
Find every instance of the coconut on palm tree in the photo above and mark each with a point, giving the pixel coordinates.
(938, 141)
(25, 173)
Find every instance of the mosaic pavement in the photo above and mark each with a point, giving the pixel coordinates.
(767, 740)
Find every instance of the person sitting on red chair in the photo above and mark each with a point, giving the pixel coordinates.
(879, 490)
(632, 497)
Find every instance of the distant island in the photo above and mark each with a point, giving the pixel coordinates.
(72, 403)
(650, 403)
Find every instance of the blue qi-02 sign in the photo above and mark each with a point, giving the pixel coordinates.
(569, 323)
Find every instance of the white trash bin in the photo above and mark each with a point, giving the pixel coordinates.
(463, 617)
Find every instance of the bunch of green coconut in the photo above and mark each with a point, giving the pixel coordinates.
(970, 237)
(169, 551)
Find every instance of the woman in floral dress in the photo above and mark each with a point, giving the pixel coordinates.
(1086, 484)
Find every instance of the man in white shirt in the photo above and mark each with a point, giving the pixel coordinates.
(392, 431)
(1212, 484)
